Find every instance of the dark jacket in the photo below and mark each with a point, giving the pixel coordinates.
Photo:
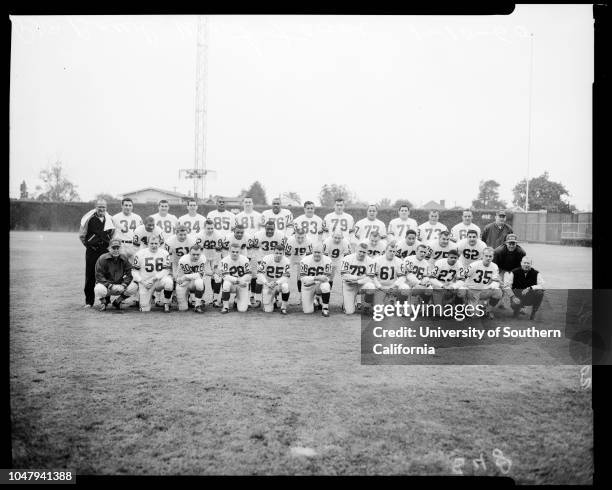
(113, 271)
(506, 260)
(519, 281)
(94, 233)
(493, 236)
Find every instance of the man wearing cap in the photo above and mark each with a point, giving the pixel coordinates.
(95, 232)
(508, 256)
(114, 276)
(494, 234)
(525, 287)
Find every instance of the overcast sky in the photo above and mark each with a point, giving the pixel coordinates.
(418, 107)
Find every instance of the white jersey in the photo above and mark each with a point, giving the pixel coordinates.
(125, 226)
(469, 253)
(273, 270)
(353, 266)
(224, 221)
(313, 227)
(167, 223)
(420, 268)
(231, 238)
(459, 232)
(378, 249)
(211, 244)
(339, 222)
(235, 268)
(428, 232)
(444, 272)
(251, 222)
(438, 252)
(263, 244)
(389, 271)
(177, 249)
(335, 251)
(194, 224)
(404, 250)
(296, 251)
(283, 220)
(186, 266)
(365, 226)
(149, 264)
(479, 276)
(398, 227)
(310, 267)
(141, 236)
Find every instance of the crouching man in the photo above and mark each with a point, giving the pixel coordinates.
(151, 270)
(316, 274)
(273, 275)
(190, 279)
(390, 276)
(113, 276)
(525, 287)
(357, 274)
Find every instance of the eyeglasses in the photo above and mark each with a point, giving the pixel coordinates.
(115, 248)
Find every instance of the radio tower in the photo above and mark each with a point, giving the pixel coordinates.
(199, 171)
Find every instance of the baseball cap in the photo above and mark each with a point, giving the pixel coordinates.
(511, 238)
(114, 241)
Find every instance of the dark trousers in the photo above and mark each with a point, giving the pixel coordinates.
(91, 257)
(532, 298)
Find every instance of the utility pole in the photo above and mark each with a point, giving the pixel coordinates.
(529, 134)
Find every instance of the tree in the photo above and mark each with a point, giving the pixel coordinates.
(330, 192)
(488, 196)
(107, 197)
(256, 192)
(543, 194)
(402, 202)
(23, 190)
(56, 186)
(384, 203)
(293, 196)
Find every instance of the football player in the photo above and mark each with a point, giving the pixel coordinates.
(482, 282)
(283, 218)
(296, 248)
(310, 223)
(113, 276)
(125, 223)
(390, 275)
(447, 279)
(146, 231)
(430, 230)
(376, 246)
(193, 221)
(248, 218)
(237, 236)
(459, 231)
(224, 220)
(315, 275)
(211, 242)
(190, 278)
(263, 243)
(179, 245)
(273, 277)
(236, 275)
(336, 247)
(370, 223)
(151, 271)
(339, 221)
(408, 246)
(167, 222)
(357, 274)
(470, 249)
(417, 274)
(399, 226)
(439, 248)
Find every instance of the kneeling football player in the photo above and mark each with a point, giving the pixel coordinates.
(417, 274)
(316, 274)
(114, 276)
(446, 279)
(190, 279)
(390, 276)
(151, 270)
(482, 282)
(357, 274)
(273, 276)
(236, 276)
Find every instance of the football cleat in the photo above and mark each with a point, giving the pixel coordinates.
(166, 307)
(102, 307)
(325, 312)
(86, 307)
(117, 304)
(283, 311)
(198, 309)
(252, 301)
(216, 304)
(256, 304)
(224, 310)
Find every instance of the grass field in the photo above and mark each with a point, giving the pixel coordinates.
(132, 393)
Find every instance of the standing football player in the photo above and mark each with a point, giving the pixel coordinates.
(357, 274)
(447, 279)
(315, 275)
(336, 247)
(431, 229)
(224, 220)
(417, 274)
(283, 218)
(399, 226)
(390, 276)
(482, 282)
(125, 223)
(459, 231)
(370, 223)
(251, 222)
(146, 231)
(273, 277)
(470, 249)
(236, 275)
(296, 248)
(408, 246)
(310, 223)
(211, 242)
(193, 221)
(166, 221)
(338, 220)
(190, 279)
(263, 243)
(151, 271)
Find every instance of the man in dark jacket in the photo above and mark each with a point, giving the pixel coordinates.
(508, 256)
(114, 276)
(525, 287)
(95, 231)
(494, 234)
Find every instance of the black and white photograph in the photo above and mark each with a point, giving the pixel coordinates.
(302, 245)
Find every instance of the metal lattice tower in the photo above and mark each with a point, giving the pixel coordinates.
(199, 171)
